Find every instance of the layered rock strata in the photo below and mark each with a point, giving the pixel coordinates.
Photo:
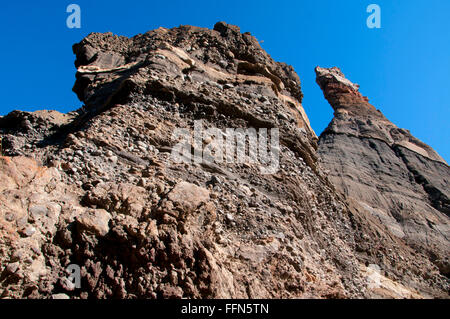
(385, 171)
(98, 187)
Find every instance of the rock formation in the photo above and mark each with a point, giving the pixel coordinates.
(98, 187)
(385, 171)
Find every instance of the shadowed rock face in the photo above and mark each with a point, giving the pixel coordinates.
(386, 171)
(98, 187)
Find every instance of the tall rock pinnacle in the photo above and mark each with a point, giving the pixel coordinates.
(341, 93)
(354, 115)
(385, 171)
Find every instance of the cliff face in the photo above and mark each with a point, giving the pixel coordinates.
(99, 187)
(385, 171)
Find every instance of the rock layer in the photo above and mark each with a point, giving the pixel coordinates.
(98, 187)
(385, 171)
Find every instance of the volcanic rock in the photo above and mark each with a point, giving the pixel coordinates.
(385, 172)
(101, 189)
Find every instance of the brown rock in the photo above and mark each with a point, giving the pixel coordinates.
(101, 189)
(95, 221)
(188, 196)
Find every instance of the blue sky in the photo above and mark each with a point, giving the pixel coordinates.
(404, 67)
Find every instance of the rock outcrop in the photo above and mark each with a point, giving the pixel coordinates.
(385, 171)
(99, 188)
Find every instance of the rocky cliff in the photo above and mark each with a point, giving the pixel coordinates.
(99, 188)
(385, 171)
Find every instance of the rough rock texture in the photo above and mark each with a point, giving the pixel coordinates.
(385, 171)
(98, 187)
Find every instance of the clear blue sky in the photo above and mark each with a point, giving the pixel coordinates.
(404, 67)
